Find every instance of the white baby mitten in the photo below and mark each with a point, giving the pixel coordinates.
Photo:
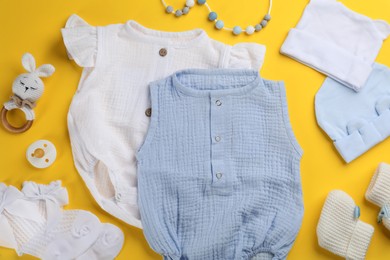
(378, 192)
(340, 231)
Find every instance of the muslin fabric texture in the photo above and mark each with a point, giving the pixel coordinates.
(219, 170)
(339, 231)
(355, 122)
(108, 116)
(336, 41)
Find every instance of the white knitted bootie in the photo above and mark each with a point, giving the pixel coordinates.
(378, 192)
(339, 229)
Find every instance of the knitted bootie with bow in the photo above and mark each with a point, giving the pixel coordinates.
(378, 192)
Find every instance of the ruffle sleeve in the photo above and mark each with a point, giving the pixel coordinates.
(246, 56)
(80, 40)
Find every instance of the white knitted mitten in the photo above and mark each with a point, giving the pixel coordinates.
(339, 229)
(378, 192)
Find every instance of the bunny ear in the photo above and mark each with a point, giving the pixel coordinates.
(28, 62)
(45, 70)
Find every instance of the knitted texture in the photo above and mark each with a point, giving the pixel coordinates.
(107, 120)
(219, 169)
(29, 86)
(378, 191)
(339, 232)
(355, 122)
(337, 41)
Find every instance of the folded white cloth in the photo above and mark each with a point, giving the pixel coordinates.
(339, 229)
(378, 192)
(336, 41)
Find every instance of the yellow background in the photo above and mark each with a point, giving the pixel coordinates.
(34, 26)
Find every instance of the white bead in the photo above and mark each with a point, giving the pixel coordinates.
(190, 3)
(250, 30)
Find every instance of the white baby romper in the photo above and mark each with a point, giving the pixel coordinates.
(109, 114)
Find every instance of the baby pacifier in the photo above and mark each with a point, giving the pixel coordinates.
(41, 154)
(27, 89)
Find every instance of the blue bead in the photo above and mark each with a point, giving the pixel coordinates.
(178, 13)
(237, 30)
(264, 23)
(258, 27)
(213, 16)
(169, 9)
(201, 2)
(219, 24)
(267, 17)
(186, 10)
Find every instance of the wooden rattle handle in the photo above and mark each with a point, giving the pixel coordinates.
(11, 128)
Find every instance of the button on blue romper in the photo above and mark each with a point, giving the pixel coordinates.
(219, 169)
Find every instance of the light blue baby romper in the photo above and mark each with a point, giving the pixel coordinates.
(219, 173)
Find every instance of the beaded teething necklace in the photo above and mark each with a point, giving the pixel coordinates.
(219, 24)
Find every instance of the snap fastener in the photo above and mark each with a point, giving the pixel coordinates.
(218, 103)
(217, 138)
(163, 52)
(118, 196)
(148, 112)
(218, 175)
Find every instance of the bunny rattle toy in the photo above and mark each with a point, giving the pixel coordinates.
(27, 89)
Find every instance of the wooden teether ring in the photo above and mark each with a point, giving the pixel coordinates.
(11, 128)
